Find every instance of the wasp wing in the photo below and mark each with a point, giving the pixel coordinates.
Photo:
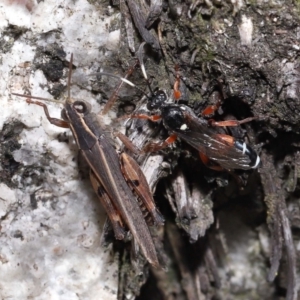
(206, 140)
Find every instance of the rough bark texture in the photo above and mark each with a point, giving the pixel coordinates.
(246, 55)
(221, 240)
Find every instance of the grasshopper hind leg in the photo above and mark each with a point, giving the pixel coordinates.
(111, 211)
(138, 182)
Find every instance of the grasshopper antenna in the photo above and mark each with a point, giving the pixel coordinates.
(70, 76)
(34, 97)
(51, 100)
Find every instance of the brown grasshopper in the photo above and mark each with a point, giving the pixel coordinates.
(117, 180)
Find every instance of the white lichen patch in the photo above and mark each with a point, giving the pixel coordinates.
(241, 253)
(42, 249)
(51, 219)
(7, 197)
(237, 5)
(246, 30)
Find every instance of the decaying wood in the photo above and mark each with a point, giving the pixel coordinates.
(193, 209)
(260, 77)
(198, 45)
(279, 225)
(126, 18)
(154, 13)
(139, 18)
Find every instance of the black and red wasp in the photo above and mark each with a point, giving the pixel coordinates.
(223, 150)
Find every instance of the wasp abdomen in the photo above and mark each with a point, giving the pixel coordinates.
(247, 150)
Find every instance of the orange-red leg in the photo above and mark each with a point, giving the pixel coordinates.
(206, 162)
(153, 118)
(211, 109)
(177, 93)
(230, 122)
(153, 147)
(54, 121)
(227, 138)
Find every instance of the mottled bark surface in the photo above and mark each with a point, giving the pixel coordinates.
(224, 237)
(245, 53)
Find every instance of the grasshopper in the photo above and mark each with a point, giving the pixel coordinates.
(117, 180)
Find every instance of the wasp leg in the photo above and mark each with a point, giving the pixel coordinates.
(230, 122)
(153, 147)
(112, 99)
(54, 121)
(206, 161)
(227, 138)
(111, 211)
(137, 180)
(177, 93)
(153, 118)
(209, 110)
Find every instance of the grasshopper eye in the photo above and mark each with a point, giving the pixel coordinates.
(80, 107)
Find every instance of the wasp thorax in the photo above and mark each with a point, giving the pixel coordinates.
(173, 117)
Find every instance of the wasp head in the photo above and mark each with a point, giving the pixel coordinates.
(156, 101)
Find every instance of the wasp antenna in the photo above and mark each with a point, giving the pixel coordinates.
(128, 82)
(70, 76)
(140, 56)
(123, 79)
(116, 76)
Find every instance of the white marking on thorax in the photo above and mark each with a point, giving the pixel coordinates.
(183, 127)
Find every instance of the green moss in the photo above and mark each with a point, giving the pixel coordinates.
(201, 23)
(195, 98)
(297, 4)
